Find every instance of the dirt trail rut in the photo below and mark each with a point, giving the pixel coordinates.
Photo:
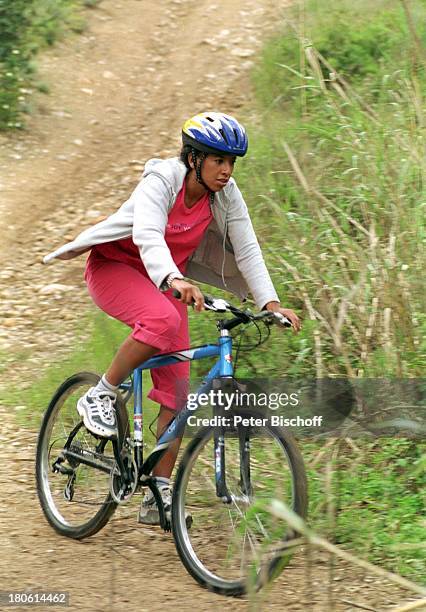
(119, 94)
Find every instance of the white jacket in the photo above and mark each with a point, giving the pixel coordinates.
(228, 257)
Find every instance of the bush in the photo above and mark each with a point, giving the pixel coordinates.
(14, 58)
(361, 50)
(25, 27)
(364, 43)
(337, 167)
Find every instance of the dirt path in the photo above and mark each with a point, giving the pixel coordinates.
(118, 95)
(120, 92)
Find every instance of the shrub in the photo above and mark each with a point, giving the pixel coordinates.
(337, 167)
(25, 27)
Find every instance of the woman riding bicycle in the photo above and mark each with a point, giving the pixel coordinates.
(186, 218)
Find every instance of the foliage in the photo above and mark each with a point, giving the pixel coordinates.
(337, 168)
(25, 27)
(363, 42)
(376, 497)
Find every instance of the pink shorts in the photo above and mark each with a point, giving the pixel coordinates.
(157, 319)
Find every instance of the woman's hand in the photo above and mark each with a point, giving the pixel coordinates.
(290, 314)
(189, 293)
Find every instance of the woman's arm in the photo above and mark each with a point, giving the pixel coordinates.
(151, 206)
(248, 254)
(249, 258)
(287, 312)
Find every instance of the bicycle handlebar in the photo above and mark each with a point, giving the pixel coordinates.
(241, 316)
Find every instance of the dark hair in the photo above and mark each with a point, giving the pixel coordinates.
(186, 150)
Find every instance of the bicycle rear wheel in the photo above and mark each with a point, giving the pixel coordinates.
(74, 496)
(231, 546)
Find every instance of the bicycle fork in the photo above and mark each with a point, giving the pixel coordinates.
(245, 487)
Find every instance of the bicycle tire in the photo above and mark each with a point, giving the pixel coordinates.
(76, 524)
(183, 536)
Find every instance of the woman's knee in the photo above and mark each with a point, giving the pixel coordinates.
(158, 328)
(170, 321)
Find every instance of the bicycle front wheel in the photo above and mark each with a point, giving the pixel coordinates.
(236, 542)
(73, 467)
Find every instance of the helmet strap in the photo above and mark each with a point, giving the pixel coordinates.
(197, 160)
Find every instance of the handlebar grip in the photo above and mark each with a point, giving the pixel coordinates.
(207, 299)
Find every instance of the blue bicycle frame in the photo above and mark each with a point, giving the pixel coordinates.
(222, 368)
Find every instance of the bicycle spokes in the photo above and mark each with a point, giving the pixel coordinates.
(228, 482)
(73, 466)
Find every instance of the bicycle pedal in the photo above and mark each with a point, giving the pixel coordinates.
(69, 488)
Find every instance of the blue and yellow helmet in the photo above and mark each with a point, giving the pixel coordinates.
(215, 133)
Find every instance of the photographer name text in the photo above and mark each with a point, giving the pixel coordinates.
(235, 420)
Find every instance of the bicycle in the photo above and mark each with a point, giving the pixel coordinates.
(230, 537)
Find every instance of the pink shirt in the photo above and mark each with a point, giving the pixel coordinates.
(184, 231)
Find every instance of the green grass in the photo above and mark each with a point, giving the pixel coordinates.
(335, 186)
(378, 497)
(338, 173)
(337, 168)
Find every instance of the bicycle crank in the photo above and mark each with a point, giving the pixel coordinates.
(123, 487)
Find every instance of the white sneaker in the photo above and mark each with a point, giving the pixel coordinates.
(98, 412)
(149, 514)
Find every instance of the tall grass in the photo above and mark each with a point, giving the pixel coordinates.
(335, 184)
(335, 181)
(368, 496)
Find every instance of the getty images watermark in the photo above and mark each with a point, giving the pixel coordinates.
(226, 401)
(353, 407)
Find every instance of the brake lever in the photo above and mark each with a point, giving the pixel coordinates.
(216, 304)
(281, 320)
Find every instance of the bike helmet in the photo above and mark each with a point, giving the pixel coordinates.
(215, 133)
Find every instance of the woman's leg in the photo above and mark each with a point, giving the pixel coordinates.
(164, 467)
(126, 294)
(129, 296)
(128, 357)
(171, 386)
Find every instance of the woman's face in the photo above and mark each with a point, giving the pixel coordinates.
(217, 170)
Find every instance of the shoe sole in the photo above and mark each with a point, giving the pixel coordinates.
(81, 411)
(153, 518)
